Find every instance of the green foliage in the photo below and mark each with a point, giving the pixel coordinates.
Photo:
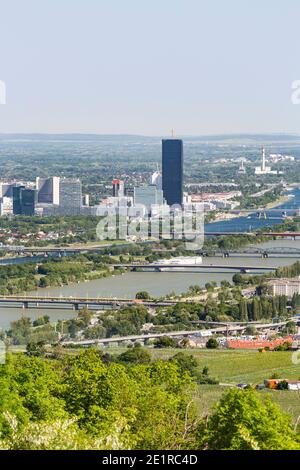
(144, 295)
(186, 363)
(241, 421)
(36, 349)
(92, 401)
(28, 390)
(44, 320)
(165, 342)
(135, 355)
(212, 343)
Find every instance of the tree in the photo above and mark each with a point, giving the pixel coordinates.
(186, 363)
(41, 320)
(20, 329)
(250, 330)
(94, 332)
(85, 316)
(165, 342)
(212, 343)
(36, 349)
(241, 421)
(143, 295)
(135, 355)
(290, 328)
(243, 310)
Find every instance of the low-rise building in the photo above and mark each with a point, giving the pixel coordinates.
(285, 286)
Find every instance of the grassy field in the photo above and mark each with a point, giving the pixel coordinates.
(248, 366)
(233, 367)
(208, 395)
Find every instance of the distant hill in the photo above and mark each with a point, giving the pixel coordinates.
(226, 138)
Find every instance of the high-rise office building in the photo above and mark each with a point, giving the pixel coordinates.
(148, 196)
(118, 188)
(70, 196)
(6, 189)
(172, 171)
(48, 190)
(24, 200)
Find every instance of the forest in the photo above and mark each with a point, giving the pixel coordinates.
(94, 401)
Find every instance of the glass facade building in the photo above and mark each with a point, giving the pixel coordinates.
(24, 200)
(172, 171)
(148, 196)
(70, 196)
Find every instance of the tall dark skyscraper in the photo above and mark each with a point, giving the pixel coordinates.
(172, 170)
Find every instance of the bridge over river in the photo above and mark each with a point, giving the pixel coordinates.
(186, 268)
(78, 302)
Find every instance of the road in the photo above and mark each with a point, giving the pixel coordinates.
(221, 329)
(157, 266)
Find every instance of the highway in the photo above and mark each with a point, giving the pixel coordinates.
(222, 329)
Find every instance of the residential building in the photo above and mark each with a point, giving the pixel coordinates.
(287, 287)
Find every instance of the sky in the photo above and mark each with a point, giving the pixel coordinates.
(149, 66)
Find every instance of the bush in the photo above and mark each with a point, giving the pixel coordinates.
(165, 342)
(212, 343)
(143, 295)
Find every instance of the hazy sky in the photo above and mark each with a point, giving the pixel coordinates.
(146, 66)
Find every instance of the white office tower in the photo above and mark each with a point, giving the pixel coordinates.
(70, 196)
(156, 179)
(48, 190)
(86, 200)
(6, 206)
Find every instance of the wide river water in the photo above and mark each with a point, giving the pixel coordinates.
(127, 285)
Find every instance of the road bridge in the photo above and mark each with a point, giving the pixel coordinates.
(177, 334)
(78, 302)
(187, 267)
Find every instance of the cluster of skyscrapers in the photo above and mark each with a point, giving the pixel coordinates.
(164, 189)
(48, 196)
(63, 196)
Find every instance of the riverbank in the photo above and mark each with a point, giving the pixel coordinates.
(281, 200)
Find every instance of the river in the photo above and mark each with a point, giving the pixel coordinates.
(252, 222)
(158, 284)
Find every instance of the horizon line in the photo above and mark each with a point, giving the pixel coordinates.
(126, 134)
